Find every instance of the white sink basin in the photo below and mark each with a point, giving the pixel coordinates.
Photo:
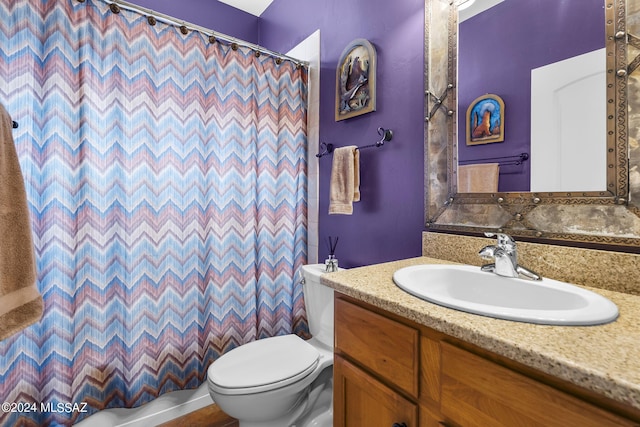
(469, 289)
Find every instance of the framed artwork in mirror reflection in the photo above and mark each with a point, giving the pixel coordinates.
(356, 80)
(485, 120)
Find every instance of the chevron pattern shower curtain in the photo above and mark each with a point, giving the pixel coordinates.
(166, 177)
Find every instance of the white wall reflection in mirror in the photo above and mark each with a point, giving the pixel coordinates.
(568, 124)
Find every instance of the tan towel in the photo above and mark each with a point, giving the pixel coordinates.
(344, 188)
(480, 178)
(20, 302)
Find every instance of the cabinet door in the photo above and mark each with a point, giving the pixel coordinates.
(362, 401)
(479, 393)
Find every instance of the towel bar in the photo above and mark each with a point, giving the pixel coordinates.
(386, 134)
(516, 159)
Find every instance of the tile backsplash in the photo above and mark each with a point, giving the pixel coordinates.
(615, 271)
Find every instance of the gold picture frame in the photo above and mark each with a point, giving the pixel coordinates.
(356, 80)
(485, 120)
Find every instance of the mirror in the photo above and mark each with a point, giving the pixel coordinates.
(547, 64)
(606, 216)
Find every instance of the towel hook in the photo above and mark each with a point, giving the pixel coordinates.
(326, 149)
(386, 134)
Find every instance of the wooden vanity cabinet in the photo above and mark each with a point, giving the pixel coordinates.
(391, 372)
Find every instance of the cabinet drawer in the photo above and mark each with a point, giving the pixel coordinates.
(479, 393)
(384, 346)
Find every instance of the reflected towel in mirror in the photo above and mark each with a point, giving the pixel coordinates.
(478, 178)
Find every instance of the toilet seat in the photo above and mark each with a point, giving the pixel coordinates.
(263, 365)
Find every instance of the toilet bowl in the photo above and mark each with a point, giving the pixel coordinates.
(284, 380)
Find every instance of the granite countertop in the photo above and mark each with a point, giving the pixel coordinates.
(604, 358)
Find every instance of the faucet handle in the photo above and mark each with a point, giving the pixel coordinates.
(504, 240)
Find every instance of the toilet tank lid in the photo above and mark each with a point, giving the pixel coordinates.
(315, 270)
(263, 362)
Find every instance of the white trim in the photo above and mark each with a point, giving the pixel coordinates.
(309, 50)
(165, 408)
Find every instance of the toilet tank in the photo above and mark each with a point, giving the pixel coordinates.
(318, 300)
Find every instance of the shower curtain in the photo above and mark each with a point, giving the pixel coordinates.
(166, 179)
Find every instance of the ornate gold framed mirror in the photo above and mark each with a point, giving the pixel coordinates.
(607, 216)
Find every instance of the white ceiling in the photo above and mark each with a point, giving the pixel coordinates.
(476, 7)
(254, 7)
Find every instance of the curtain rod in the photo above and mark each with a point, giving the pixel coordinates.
(187, 25)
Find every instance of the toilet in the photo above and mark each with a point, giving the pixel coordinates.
(284, 380)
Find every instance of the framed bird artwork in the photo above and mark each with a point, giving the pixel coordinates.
(356, 80)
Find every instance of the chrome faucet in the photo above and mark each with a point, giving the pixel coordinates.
(505, 258)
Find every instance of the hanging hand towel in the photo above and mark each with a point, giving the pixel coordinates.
(344, 188)
(478, 178)
(20, 302)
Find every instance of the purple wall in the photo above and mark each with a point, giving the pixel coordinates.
(387, 223)
(550, 37)
(209, 14)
